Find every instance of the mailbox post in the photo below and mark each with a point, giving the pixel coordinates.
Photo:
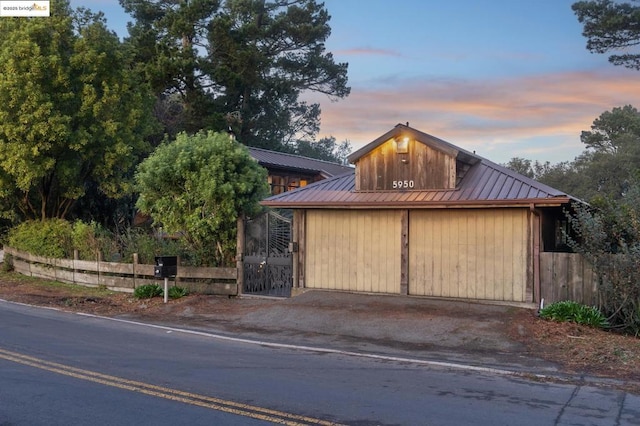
(165, 267)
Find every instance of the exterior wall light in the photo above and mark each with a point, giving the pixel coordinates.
(402, 145)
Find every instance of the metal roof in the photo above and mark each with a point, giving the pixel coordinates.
(276, 159)
(484, 184)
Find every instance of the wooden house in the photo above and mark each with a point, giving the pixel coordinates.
(287, 171)
(420, 216)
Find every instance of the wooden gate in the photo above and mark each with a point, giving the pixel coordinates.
(267, 261)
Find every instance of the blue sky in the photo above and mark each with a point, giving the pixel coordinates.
(504, 78)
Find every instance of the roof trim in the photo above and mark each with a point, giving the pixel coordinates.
(476, 204)
(424, 138)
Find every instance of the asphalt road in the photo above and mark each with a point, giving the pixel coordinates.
(71, 369)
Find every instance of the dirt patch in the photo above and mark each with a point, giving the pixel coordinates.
(472, 328)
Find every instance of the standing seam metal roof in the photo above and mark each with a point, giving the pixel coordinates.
(290, 161)
(485, 183)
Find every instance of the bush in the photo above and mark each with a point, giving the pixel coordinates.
(569, 311)
(90, 239)
(176, 292)
(50, 238)
(7, 264)
(147, 291)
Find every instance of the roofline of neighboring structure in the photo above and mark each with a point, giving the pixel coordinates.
(286, 154)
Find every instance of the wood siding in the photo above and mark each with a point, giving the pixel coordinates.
(353, 250)
(421, 168)
(567, 276)
(471, 254)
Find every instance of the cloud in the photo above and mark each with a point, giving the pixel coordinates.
(367, 51)
(539, 115)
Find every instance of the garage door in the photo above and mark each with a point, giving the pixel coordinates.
(357, 250)
(473, 254)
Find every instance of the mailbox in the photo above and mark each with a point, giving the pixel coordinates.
(166, 266)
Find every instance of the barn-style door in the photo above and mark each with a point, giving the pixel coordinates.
(267, 262)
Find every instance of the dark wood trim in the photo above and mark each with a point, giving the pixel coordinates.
(299, 235)
(240, 254)
(404, 252)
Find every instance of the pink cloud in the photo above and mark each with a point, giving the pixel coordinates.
(541, 114)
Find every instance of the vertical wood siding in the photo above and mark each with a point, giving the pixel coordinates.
(424, 166)
(353, 250)
(567, 276)
(474, 254)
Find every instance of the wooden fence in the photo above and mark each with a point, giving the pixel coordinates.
(567, 276)
(122, 276)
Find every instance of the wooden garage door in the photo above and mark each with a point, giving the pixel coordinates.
(474, 254)
(357, 250)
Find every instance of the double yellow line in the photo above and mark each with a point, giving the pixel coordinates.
(273, 416)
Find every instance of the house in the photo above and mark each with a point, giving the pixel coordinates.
(288, 171)
(420, 216)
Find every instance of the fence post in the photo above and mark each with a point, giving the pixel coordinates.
(240, 255)
(135, 269)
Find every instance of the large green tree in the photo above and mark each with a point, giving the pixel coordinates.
(607, 166)
(198, 186)
(71, 113)
(241, 64)
(611, 26)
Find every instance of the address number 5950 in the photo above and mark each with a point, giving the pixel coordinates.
(403, 184)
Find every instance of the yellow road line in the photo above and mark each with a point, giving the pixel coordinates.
(205, 401)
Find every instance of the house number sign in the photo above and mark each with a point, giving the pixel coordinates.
(403, 184)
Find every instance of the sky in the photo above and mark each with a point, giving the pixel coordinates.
(503, 78)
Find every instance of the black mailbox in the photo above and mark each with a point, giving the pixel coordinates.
(166, 266)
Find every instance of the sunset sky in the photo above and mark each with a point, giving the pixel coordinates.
(504, 78)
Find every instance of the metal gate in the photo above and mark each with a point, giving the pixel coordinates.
(267, 262)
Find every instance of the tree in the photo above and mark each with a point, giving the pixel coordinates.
(609, 238)
(198, 186)
(613, 151)
(522, 166)
(70, 113)
(611, 26)
(239, 63)
(606, 167)
(324, 149)
(168, 38)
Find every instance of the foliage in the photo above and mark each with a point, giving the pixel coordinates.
(196, 187)
(147, 291)
(325, 149)
(176, 292)
(606, 168)
(219, 64)
(71, 113)
(7, 263)
(609, 238)
(611, 26)
(91, 239)
(570, 311)
(50, 238)
(147, 246)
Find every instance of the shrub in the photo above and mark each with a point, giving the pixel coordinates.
(176, 292)
(90, 239)
(569, 311)
(50, 238)
(7, 264)
(147, 291)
